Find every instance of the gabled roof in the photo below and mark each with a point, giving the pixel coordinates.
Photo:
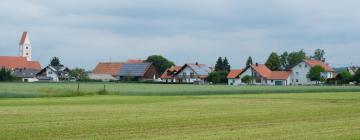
(313, 63)
(13, 62)
(168, 73)
(24, 36)
(201, 70)
(111, 68)
(134, 69)
(234, 73)
(264, 71)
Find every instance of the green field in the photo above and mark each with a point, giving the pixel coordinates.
(21, 90)
(201, 113)
(224, 117)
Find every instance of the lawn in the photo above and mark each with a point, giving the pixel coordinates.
(208, 117)
(13, 90)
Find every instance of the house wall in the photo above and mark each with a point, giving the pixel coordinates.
(234, 81)
(52, 74)
(149, 74)
(30, 80)
(184, 76)
(299, 74)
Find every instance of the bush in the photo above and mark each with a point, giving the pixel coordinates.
(218, 77)
(246, 79)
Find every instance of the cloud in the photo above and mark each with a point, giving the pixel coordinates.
(82, 33)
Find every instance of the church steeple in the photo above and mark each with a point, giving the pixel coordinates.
(25, 46)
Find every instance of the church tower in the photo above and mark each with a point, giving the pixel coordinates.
(25, 46)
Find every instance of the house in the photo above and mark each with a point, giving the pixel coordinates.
(169, 76)
(26, 75)
(106, 71)
(54, 74)
(300, 72)
(193, 73)
(137, 72)
(233, 78)
(261, 75)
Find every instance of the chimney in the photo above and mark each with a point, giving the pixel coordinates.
(196, 63)
(257, 64)
(323, 60)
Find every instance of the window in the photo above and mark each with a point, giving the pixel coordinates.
(306, 66)
(50, 72)
(297, 73)
(27, 53)
(300, 66)
(184, 74)
(297, 80)
(192, 74)
(272, 81)
(26, 47)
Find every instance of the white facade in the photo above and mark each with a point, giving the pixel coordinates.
(187, 75)
(25, 46)
(52, 74)
(300, 72)
(29, 80)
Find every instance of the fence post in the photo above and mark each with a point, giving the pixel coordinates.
(104, 88)
(78, 87)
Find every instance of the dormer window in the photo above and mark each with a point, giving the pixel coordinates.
(26, 47)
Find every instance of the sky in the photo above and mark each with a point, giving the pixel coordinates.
(84, 32)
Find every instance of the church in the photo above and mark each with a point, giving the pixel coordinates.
(22, 66)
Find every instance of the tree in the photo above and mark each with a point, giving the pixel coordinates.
(160, 62)
(5, 75)
(319, 54)
(79, 73)
(249, 61)
(315, 73)
(218, 77)
(357, 76)
(55, 61)
(219, 66)
(246, 79)
(295, 58)
(273, 62)
(284, 61)
(226, 65)
(345, 77)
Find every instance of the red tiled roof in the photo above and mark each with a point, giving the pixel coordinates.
(23, 37)
(262, 70)
(313, 63)
(107, 68)
(12, 62)
(166, 74)
(135, 61)
(279, 75)
(234, 73)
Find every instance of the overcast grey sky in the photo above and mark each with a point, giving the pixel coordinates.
(84, 32)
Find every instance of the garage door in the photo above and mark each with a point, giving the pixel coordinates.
(279, 83)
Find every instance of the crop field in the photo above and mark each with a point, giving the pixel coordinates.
(127, 111)
(213, 117)
(28, 90)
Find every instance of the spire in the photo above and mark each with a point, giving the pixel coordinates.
(25, 46)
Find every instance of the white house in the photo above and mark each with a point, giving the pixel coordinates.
(260, 74)
(300, 72)
(53, 74)
(193, 73)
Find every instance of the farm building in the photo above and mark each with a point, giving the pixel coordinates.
(169, 76)
(54, 74)
(261, 75)
(193, 73)
(106, 71)
(137, 72)
(26, 75)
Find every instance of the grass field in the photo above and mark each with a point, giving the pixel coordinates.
(216, 117)
(28, 90)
